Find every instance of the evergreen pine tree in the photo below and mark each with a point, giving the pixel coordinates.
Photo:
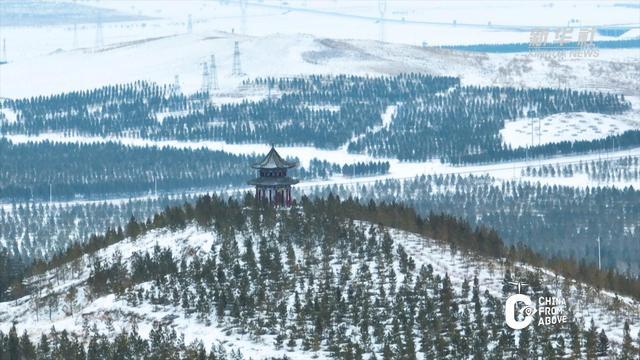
(576, 346)
(627, 343)
(387, 352)
(591, 340)
(28, 350)
(603, 344)
(524, 343)
(43, 347)
(548, 352)
(13, 344)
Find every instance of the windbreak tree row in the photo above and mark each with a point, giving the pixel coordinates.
(435, 118)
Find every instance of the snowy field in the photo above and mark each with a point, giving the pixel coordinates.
(160, 59)
(282, 42)
(406, 22)
(567, 127)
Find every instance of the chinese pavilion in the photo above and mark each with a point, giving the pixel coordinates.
(272, 183)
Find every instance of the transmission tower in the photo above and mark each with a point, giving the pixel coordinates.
(75, 36)
(4, 51)
(213, 73)
(175, 88)
(382, 8)
(99, 36)
(206, 78)
(190, 25)
(243, 17)
(75, 31)
(237, 70)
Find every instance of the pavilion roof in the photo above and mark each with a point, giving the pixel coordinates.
(273, 160)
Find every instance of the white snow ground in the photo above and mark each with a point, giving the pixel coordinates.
(567, 127)
(281, 40)
(406, 22)
(159, 59)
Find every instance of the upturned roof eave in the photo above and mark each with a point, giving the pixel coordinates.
(281, 181)
(288, 165)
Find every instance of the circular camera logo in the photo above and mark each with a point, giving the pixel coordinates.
(549, 310)
(525, 314)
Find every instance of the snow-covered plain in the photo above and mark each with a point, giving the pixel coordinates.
(159, 59)
(406, 22)
(279, 41)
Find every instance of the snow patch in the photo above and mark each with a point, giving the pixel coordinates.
(8, 116)
(566, 127)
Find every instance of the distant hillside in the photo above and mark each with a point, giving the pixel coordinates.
(525, 47)
(25, 13)
(327, 278)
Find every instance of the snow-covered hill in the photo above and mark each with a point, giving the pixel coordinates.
(51, 306)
